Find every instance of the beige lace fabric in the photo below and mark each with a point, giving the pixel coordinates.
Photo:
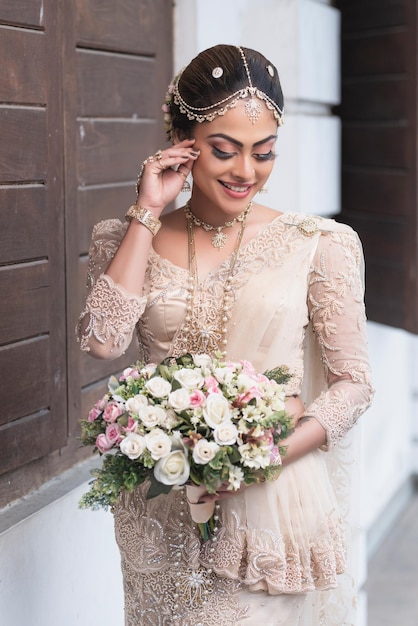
(281, 546)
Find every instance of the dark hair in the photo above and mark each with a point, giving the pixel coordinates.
(199, 88)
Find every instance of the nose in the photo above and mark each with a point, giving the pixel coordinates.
(243, 168)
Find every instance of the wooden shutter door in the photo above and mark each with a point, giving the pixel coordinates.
(119, 59)
(81, 87)
(32, 250)
(379, 175)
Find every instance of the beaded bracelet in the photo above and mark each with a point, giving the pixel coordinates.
(145, 217)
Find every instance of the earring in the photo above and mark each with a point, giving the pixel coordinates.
(263, 190)
(186, 187)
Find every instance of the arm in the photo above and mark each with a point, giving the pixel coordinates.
(118, 259)
(336, 311)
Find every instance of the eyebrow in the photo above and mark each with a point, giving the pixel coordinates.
(238, 143)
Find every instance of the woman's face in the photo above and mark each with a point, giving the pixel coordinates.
(236, 158)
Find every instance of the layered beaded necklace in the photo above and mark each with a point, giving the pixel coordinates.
(209, 335)
(219, 239)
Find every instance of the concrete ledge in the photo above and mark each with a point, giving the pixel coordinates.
(47, 494)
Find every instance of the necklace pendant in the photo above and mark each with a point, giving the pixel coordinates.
(219, 240)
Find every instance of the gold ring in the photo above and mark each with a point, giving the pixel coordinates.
(158, 155)
(182, 174)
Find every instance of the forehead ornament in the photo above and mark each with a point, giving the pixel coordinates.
(217, 72)
(251, 94)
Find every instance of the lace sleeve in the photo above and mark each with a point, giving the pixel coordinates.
(107, 322)
(336, 310)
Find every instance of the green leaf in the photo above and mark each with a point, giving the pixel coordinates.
(156, 488)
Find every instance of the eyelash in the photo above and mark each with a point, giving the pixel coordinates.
(220, 154)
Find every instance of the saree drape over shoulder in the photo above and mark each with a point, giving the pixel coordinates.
(280, 551)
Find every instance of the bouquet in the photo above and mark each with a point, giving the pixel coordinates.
(192, 420)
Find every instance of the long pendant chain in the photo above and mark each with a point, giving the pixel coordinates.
(219, 239)
(209, 336)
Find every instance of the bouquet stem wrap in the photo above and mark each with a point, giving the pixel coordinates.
(201, 512)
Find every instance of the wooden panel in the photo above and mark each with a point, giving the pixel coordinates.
(25, 12)
(24, 367)
(20, 52)
(26, 440)
(378, 145)
(23, 144)
(112, 151)
(24, 301)
(377, 100)
(24, 232)
(386, 298)
(379, 115)
(362, 15)
(101, 203)
(374, 191)
(383, 243)
(129, 26)
(375, 54)
(116, 85)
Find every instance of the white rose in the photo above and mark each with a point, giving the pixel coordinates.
(254, 456)
(132, 445)
(202, 360)
(170, 419)
(158, 443)
(151, 415)
(148, 370)
(173, 469)
(225, 434)
(189, 378)
(224, 375)
(179, 400)
(216, 410)
(204, 451)
(135, 404)
(158, 387)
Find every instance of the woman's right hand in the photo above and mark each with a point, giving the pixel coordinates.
(160, 183)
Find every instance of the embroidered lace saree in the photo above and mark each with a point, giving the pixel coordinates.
(280, 549)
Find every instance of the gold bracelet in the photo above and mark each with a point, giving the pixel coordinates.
(145, 217)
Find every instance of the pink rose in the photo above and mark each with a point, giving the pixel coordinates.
(129, 372)
(131, 426)
(113, 433)
(93, 414)
(275, 458)
(248, 368)
(247, 396)
(212, 384)
(197, 398)
(111, 412)
(103, 444)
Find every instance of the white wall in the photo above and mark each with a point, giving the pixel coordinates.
(60, 565)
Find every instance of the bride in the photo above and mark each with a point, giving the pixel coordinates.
(227, 274)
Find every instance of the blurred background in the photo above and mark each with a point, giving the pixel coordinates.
(81, 88)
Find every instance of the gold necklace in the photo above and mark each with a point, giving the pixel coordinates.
(219, 239)
(210, 338)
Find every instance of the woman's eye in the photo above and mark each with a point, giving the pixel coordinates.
(266, 156)
(220, 154)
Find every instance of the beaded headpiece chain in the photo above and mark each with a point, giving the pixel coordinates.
(208, 113)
